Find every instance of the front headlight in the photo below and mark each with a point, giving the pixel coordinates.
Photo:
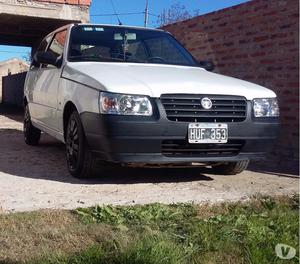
(123, 104)
(266, 107)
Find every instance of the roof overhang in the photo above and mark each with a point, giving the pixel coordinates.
(26, 23)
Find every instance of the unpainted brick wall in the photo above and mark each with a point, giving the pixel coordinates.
(68, 2)
(257, 41)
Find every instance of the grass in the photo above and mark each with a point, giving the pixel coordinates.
(159, 234)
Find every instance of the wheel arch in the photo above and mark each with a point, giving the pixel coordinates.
(69, 108)
(25, 101)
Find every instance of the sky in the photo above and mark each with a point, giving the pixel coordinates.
(100, 9)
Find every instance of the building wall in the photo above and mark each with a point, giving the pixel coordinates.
(68, 2)
(256, 41)
(11, 67)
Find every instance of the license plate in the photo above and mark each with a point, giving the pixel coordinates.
(207, 133)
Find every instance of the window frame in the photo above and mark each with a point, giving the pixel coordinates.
(34, 64)
(64, 47)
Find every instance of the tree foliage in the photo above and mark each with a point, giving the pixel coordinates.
(175, 13)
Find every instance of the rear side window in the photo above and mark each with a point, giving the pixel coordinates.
(58, 43)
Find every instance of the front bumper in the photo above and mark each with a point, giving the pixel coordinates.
(131, 139)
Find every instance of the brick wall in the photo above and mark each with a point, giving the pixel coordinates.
(69, 2)
(256, 41)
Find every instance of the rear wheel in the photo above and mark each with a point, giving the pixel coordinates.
(231, 168)
(81, 162)
(32, 135)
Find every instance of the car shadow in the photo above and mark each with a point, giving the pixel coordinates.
(47, 162)
(284, 168)
(12, 112)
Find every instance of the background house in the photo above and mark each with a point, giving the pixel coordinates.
(26, 23)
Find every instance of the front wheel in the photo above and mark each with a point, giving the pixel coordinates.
(81, 162)
(32, 135)
(231, 168)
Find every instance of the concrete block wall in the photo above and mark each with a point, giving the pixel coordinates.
(257, 41)
(13, 89)
(10, 67)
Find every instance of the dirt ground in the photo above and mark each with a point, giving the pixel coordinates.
(34, 178)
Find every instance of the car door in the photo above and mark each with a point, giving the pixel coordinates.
(47, 84)
(30, 91)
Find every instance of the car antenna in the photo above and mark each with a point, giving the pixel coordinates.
(115, 13)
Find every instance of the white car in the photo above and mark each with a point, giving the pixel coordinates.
(134, 96)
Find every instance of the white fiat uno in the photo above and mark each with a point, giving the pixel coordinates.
(135, 97)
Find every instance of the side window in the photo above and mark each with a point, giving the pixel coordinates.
(58, 43)
(44, 44)
(42, 47)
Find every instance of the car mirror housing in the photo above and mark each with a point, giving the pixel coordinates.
(207, 65)
(46, 57)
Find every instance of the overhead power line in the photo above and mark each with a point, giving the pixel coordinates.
(119, 14)
(114, 8)
(124, 14)
(146, 13)
(151, 14)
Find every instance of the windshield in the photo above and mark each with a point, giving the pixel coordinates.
(120, 44)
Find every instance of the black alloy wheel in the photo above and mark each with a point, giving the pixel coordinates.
(81, 162)
(231, 168)
(32, 135)
(72, 144)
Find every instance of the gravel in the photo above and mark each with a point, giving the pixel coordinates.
(33, 178)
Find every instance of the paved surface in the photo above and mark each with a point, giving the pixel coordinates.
(32, 178)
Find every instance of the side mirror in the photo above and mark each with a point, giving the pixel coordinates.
(207, 65)
(46, 57)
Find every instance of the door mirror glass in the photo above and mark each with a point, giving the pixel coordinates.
(207, 65)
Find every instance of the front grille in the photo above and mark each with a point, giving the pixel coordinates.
(187, 108)
(181, 148)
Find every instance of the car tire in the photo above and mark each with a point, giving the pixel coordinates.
(231, 168)
(80, 160)
(32, 135)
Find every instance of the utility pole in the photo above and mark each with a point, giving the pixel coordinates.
(146, 14)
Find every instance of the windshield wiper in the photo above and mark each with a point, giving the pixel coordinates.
(95, 58)
(105, 59)
(135, 60)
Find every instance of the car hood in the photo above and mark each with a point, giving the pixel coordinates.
(157, 79)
